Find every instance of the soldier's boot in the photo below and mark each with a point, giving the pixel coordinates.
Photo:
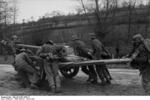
(89, 78)
(58, 90)
(108, 74)
(85, 70)
(108, 82)
(92, 75)
(53, 89)
(100, 74)
(58, 84)
(92, 78)
(93, 81)
(24, 81)
(24, 85)
(33, 86)
(103, 83)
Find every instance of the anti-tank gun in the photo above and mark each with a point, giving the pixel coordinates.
(70, 64)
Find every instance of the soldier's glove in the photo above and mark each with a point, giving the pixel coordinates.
(89, 53)
(49, 56)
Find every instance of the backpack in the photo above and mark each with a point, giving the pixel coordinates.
(146, 43)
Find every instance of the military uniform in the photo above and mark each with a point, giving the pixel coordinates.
(28, 75)
(51, 67)
(141, 60)
(102, 70)
(81, 50)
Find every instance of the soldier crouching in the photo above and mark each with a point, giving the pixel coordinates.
(29, 76)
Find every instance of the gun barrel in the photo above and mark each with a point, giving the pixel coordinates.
(91, 62)
(28, 46)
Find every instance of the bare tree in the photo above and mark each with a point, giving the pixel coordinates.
(103, 9)
(105, 12)
(5, 16)
(85, 11)
(14, 14)
(130, 5)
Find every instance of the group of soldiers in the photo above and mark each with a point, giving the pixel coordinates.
(95, 53)
(49, 57)
(50, 53)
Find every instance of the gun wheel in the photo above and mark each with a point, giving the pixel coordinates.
(69, 72)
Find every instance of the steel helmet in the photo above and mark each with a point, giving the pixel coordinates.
(14, 37)
(50, 42)
(22, 50)
(75, 37)
(138, 38)
(93, 35)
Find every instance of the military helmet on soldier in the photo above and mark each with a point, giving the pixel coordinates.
(138, 38)
(23, 50)
(92, 35)
(75, 37)
(50, 42)
(14, 37)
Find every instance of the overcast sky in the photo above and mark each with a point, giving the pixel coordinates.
(36, 8)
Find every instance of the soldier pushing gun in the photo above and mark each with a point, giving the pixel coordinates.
(140, 56)
(81, 50)
(98, 52)
(50, 53)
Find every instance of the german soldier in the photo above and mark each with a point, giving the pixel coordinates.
(25, 68)
(141, 59)
(98, 51)
(81, 50)
(49, 52)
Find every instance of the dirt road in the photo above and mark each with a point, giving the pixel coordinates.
(125, 82)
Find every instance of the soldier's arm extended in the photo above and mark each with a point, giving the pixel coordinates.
(39, 51)
(143, 58)
(136, 52)
(29, 61)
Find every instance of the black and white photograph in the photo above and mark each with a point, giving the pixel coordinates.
(74, 48)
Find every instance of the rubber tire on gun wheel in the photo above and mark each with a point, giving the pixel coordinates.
(69, 72)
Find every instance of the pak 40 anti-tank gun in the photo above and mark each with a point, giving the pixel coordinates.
(70, 64)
